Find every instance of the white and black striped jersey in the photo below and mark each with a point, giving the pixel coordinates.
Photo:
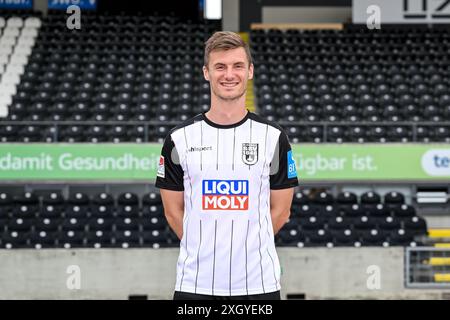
(226, 173)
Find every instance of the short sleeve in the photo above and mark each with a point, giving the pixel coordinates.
(170, 173)
(283, 172)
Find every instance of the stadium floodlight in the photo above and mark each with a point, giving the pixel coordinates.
(213, 9)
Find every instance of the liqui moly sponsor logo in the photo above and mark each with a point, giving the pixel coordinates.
(225, 194)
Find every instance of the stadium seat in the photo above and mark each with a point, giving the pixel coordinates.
(344, 238)
(42, 239)
(70, 239)
(98, 239)
(126, 239)
(14, 239)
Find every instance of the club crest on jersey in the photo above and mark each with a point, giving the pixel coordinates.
(225, 195)
(250, 153)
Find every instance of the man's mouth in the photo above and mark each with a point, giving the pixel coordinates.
(229, 84)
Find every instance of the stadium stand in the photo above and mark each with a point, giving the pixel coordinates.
(131, 78)
(322, 220)
(50, 220)
(355, 84)
(16, 42)
(120, 79)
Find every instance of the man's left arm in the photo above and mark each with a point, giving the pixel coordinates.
(283, 180)
(280, 207)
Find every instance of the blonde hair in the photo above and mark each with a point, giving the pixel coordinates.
(225, 40)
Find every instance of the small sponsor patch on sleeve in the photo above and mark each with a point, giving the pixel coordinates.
(161, 169)
(292, 170)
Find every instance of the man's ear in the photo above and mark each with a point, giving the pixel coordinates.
(250, 72)
(206, 73)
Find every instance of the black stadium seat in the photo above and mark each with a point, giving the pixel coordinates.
(126, 239)
(51, 211)
(14, 239)
(42, 239)
(344, 238)
(98, 239)
(71, 239)
(47, 224)
(102, 224)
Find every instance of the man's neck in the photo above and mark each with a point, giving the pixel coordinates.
(225, 113)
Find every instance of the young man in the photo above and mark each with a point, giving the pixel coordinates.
(227, 179)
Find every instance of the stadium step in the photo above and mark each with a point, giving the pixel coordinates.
(438, 238)
(438, 261)
(442, 245)
(250, 97)
(442, 277)
(439, 233)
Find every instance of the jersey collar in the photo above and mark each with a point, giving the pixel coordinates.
(225, 126)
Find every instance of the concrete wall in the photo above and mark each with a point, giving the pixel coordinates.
(437, 221)
(104, 274)
(230, 15)
(41, 5)
(306, 14)
(117, 273)
(342, 273)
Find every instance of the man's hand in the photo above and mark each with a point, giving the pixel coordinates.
(280, 207)
(173, 202)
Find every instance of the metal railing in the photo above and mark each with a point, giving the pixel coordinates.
(427, 267)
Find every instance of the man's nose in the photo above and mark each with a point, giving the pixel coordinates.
(229, 73)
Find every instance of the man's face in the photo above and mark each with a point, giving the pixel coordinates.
(228, 72)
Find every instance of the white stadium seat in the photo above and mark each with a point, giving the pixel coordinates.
(5, 100)
(4, 59)
(15, 68)
(9, 77)
(10, 37)
(3, 111)
(18, 59)
(8, 41)
(12, 31)
(23, 50)
(6, 49)
(29, 33)
(20, 46)
(8, 89)
(27, 41)
(21, 53)
(32, 22)
(14, 22)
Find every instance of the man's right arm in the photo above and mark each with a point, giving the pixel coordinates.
(173, 202)
(169, 179)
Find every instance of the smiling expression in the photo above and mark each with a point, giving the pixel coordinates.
(228, 72)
